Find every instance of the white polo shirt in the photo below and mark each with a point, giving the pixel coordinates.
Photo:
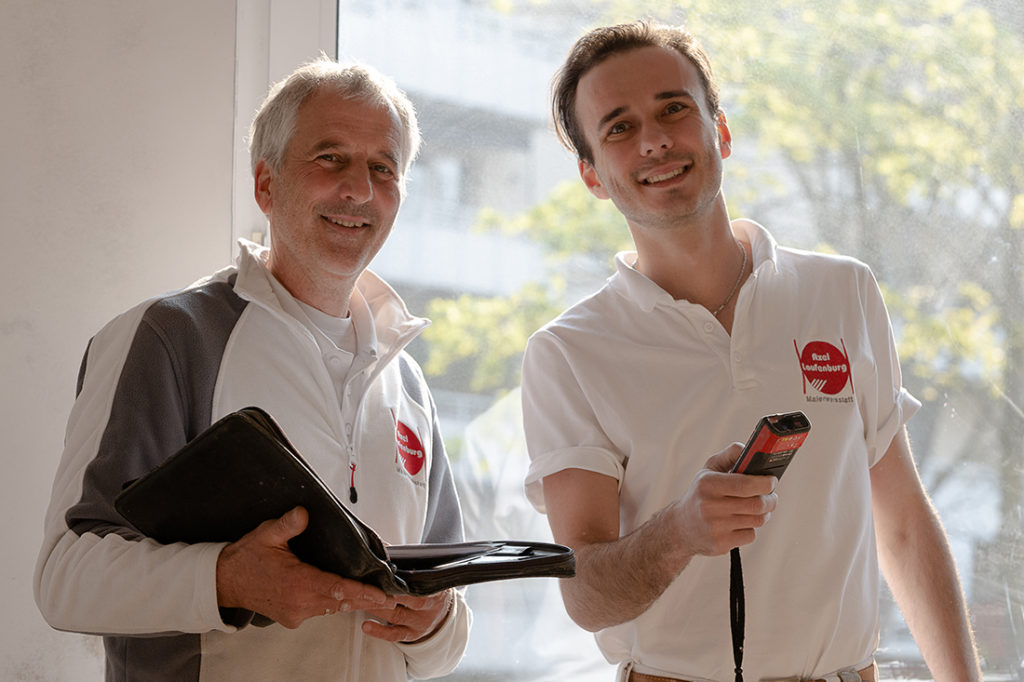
(637, 386)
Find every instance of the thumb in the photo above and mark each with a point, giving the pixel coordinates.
(724, 460)
(291, 524)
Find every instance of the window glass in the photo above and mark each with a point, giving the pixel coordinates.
(890, 132)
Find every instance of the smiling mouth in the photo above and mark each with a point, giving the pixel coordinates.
(662, 177)
(345, 223)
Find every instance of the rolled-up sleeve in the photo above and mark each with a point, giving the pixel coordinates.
(562, 431)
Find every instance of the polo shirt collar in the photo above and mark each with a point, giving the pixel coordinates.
(763, 245)
(633, 285)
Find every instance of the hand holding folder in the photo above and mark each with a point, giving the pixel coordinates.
(242, 471)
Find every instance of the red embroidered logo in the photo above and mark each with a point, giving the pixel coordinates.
(410, 449)
(824, 367)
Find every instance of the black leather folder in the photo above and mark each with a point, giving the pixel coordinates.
(243, 471)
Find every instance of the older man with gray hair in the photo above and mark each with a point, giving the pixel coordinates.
(303, 330)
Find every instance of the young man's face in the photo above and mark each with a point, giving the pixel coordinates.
(334, 199)
(657, 149)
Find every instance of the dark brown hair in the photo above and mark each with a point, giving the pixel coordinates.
(601, 43)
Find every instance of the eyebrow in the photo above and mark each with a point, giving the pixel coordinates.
(673, 94)
(327, 144)
(614, 113)
(667, 94)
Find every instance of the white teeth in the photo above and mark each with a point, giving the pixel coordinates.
(344, 223)
(664, 176)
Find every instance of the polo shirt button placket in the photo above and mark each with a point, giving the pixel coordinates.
(743, 375)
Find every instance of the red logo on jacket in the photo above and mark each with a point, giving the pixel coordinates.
(410, 449)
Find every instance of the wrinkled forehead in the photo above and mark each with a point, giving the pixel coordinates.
(331, 116)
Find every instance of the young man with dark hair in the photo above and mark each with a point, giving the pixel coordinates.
(708, 326)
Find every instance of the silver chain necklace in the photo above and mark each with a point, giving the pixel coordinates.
(739, 278)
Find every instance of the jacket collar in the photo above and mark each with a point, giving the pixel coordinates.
(384, 323)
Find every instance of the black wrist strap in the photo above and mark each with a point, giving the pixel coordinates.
(737, 610)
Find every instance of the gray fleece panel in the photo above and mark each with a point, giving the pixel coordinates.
(444, 515)
(163, 399)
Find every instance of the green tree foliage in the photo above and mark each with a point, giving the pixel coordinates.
(484, 337)
(489, 333)
(570, 224)
(897, 126)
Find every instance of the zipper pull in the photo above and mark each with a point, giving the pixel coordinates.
(353, 496)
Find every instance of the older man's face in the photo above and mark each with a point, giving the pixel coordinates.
(333, 202)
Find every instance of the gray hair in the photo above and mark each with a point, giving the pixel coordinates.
(274, 124)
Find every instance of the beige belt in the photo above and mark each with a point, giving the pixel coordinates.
(868, 674)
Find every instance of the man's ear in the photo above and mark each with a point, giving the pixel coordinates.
(592, 180)
(263, 177)
(724, 135)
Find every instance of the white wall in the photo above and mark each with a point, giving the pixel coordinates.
(118, 142)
